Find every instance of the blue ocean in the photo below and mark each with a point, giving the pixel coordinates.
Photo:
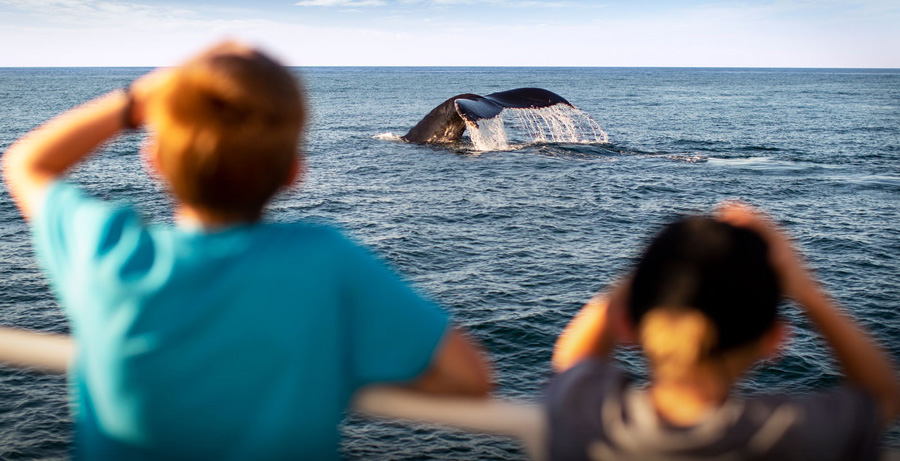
(514, 238)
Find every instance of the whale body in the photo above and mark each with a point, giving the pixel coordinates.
(447, 122)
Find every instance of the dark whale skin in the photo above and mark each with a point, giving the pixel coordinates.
(446, 123)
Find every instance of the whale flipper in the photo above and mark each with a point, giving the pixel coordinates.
(447, 122)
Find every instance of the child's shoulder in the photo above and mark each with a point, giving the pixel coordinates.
(305, 233)
(285, 237)
(304, 229)
(589, 380)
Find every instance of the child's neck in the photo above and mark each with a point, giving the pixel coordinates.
(688, 400)
(190, 218)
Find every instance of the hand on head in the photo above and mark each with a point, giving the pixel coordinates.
(144, 89)
(795, 278)
(149, 85)
(865, 364)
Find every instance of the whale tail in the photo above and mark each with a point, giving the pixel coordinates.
(447, 122)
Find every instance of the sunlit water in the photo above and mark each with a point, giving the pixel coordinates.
(513, 240)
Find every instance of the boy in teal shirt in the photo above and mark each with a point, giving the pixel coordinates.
(223, 337)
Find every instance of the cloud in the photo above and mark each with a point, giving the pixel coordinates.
(510, 3)
(504, 3)
(99, 13)
(105, 32)
(779, 33)
(340, 3)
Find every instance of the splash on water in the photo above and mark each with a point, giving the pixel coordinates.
(559, 124)
(388, 136)
(488, 134)
(689, 158)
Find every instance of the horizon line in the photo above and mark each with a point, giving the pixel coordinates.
(470, 67)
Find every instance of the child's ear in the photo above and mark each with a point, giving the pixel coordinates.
(298, 168)
(150, 157)
(621, 323)
(774, 339)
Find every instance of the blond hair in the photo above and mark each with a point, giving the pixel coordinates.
(228, 123)
(676, 340)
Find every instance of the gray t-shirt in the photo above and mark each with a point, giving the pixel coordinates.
(595, 413)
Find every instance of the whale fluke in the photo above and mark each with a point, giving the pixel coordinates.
(447, 122)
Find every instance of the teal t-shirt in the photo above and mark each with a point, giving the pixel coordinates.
(244, 343)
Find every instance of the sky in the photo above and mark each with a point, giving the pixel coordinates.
(676, 33)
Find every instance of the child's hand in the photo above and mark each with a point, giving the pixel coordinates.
(144, 89)
(148, 86)
(796, 280)
(866, 365)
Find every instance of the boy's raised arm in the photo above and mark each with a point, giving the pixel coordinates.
(50, 150)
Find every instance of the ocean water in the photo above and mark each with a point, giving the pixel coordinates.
(514, 241)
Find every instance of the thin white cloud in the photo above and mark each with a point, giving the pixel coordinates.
(341, 3)
(776, 33)
(504, 3)
(93, 13)
(509, 3)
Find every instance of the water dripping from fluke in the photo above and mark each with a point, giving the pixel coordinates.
(516, 128)
(507, 120)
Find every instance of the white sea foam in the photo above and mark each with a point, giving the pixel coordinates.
(558, 123)
(388, 136)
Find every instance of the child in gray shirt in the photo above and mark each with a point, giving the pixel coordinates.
(702, 305)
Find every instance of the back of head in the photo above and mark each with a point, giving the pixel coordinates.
(703, 287)
(228, 123)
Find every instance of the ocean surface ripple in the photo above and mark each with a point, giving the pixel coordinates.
(514, 242)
